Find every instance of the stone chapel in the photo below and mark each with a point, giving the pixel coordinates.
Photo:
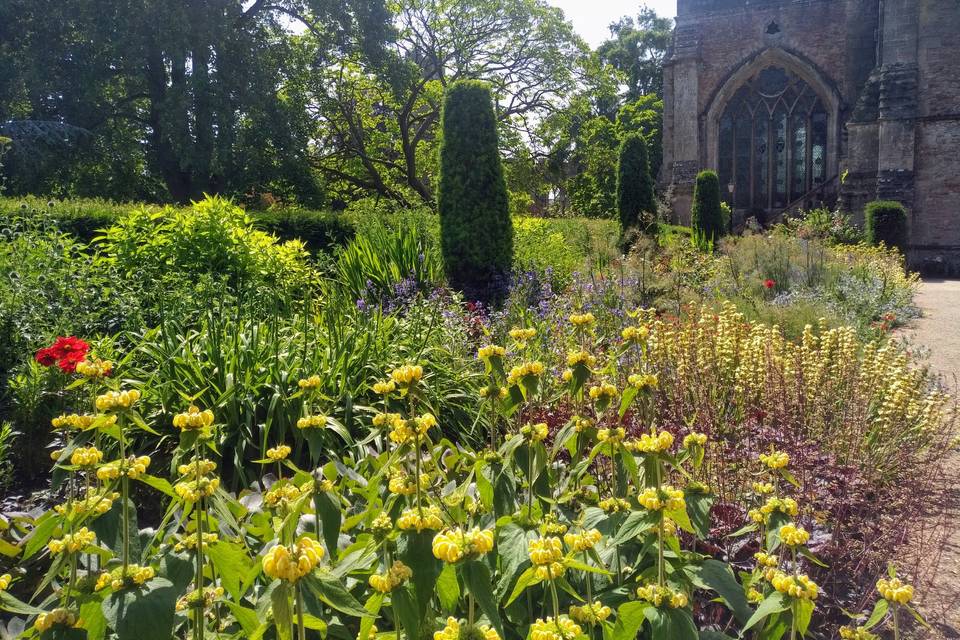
(799, 103)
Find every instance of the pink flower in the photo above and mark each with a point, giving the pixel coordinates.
(769, 284)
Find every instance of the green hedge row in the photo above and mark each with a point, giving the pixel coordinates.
(321, 231)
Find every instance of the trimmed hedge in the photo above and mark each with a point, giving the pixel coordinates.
(476, 234)
(886, 222)
(706, 216)
(320, 231)
(634, 184)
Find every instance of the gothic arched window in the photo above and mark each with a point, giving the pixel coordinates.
(772, 141)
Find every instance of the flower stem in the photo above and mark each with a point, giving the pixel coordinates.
(302, 629)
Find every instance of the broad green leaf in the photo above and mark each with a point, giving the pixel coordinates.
(330, 519)
(233, 564)
(479, 582)
(671, 624)
(332, 592)
(371, 606)
(161, 485)
(879, 611)
(406, 611)
(630, 617)
(146, 613)
(635, 524)
(698, 509)
(38, 538)
(248, 619)
(448, 588)
(527, 579)
(718, 577)
(802, 611)
(10, 604)
(282, 611)
(774, 603)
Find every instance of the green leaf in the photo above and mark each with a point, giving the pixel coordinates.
(573, 563)
(629, 393)
(248, 619)
(802, 611)
(418, 555)
(774, 603)
(372, 606)
(698, 509)
(332, 592)
(630, 617)
(11, 604)
(406, 610)
(718, 577)
(282, 611)
(331, 518)
(635, 524)
(91, 613)
(161, 485)
(233, 564)
(146, 613)
(527, 579)
(448, 588)
(38, 538)
(479, 582)
(879, 611)
(671, 624)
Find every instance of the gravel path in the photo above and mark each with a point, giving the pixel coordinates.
(939, 546)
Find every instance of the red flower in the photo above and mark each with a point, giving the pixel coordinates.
(769, 284)
(46, 356)
(66, 352)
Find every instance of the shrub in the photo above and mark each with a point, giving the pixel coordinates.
(706, 216)
(82, 218)
(476, 234)
(320, 231)
(634, 184)
(886, 222)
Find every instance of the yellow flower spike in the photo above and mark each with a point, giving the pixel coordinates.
(384, 387)
(317, 421)
(95, 368)
(613, 505)
(694, 440)
(643, 381)
(57, 618)
(796, 586)
(857, 633)
(72, 542)
(663, 596)
(667, 498)
(652, 442)
(604, 392)
(590, 613)
(278, 453)
(563, 628)
(5, 581)
(611, 436)
(583, 541)
(522, 335)
(545, 551)
(133, 467)
(395, 576)
(763, 488)
(894, 590)
(136, 576)
(635, 334)
(290, 563)
(580, 358)
(416, 519)
(80, 422)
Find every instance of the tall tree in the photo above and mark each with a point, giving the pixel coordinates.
(634, 186)
(197, 88)
(379, 121)
(637, 49)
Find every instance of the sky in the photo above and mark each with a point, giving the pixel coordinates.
(591, 17)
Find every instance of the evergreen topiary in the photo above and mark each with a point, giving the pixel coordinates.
(706, 216)
(476, 233)
(886, 222)
(634, 184)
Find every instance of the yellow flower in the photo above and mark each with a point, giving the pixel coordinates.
(775, 459)
(635, 334)
(95, 368)
(72, 542)
(667, 498)
(384, 387)
(455, 629)
(420, 519)
(581, 358)
(535, 432)
(194, 490)
(858, 633)
(293, 562)
(652, 442)
(662, 596)
(604, 392)
(523, 371)
(86, 457)
(117, 400)
(382, 525)
(786, 506)
(590, 613)
(407, 376)
(894, 590)
(765, 559)
(793, 536)
(563, 628)
(581, 424)
(754, 596)
(581, 320)
(491, 351)
(694, 440)
(643, 381)
(81, 422)
(395, 576)
(614, 505)
(583, 541)
(189, 542)
(452, 545)
(544, 551)
(94, 502)
(132, 467)
(5, 581)
(551, 571)
(313, 382)
(385, 419)
(57, 618)
(522, 335)
(278, 453)
(135, 576)
(796, 586)
(281, 494)
(312, 422)
(193, 419)
(198, 599)
(611, 436)
(763, 488)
